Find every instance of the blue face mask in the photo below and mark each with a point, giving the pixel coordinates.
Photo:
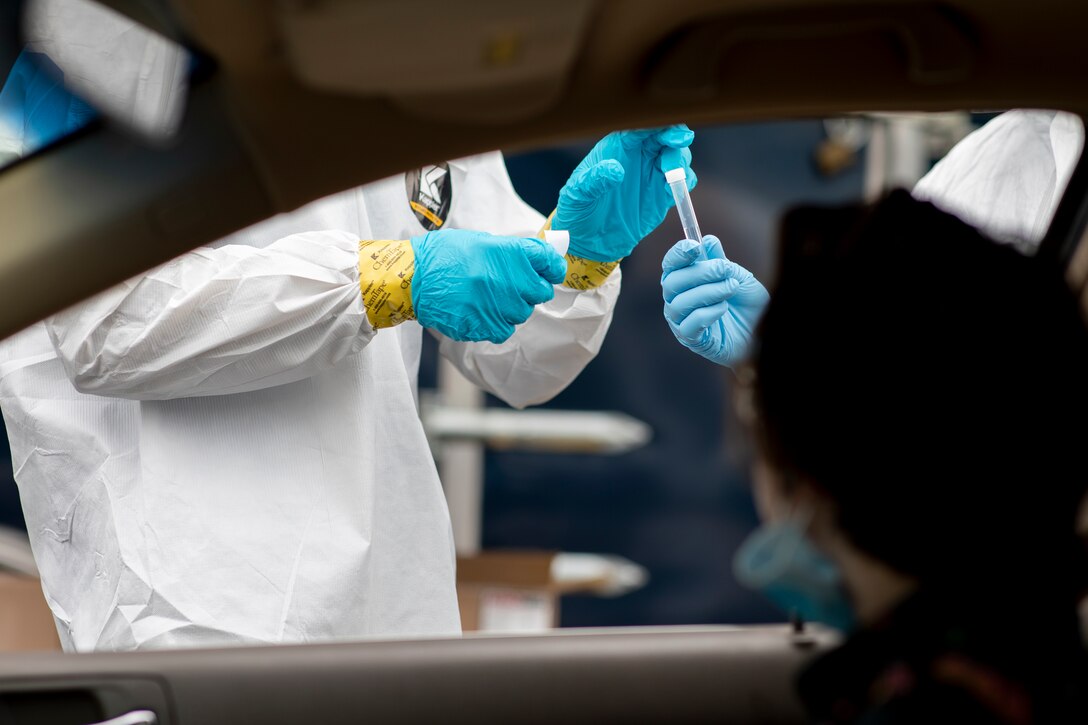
(779, 561)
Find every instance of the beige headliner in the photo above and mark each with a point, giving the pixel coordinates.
(259, 140)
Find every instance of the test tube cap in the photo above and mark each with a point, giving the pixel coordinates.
(674, 175)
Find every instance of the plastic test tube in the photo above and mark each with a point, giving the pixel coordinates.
(678, 183)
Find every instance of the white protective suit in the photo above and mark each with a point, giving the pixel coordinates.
(223, 451)
(1007, 177)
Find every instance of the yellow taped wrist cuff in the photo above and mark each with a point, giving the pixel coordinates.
(386, 268)
(582, 274)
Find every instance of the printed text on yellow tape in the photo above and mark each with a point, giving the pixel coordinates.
(386, 268)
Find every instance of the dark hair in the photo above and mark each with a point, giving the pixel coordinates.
(933, 383)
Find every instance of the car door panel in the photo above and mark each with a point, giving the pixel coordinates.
(742, 674)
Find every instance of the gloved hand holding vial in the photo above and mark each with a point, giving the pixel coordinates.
(711, 304)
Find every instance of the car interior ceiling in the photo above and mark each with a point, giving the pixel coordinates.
(298, 107)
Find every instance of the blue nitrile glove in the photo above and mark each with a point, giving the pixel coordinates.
(711, 305)
(618, 194)
(473, 286)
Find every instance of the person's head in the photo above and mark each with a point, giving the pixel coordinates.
(924, 391)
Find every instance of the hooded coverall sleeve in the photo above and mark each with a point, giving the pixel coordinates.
(1008, 176)
(219, 320)
(548, 351)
